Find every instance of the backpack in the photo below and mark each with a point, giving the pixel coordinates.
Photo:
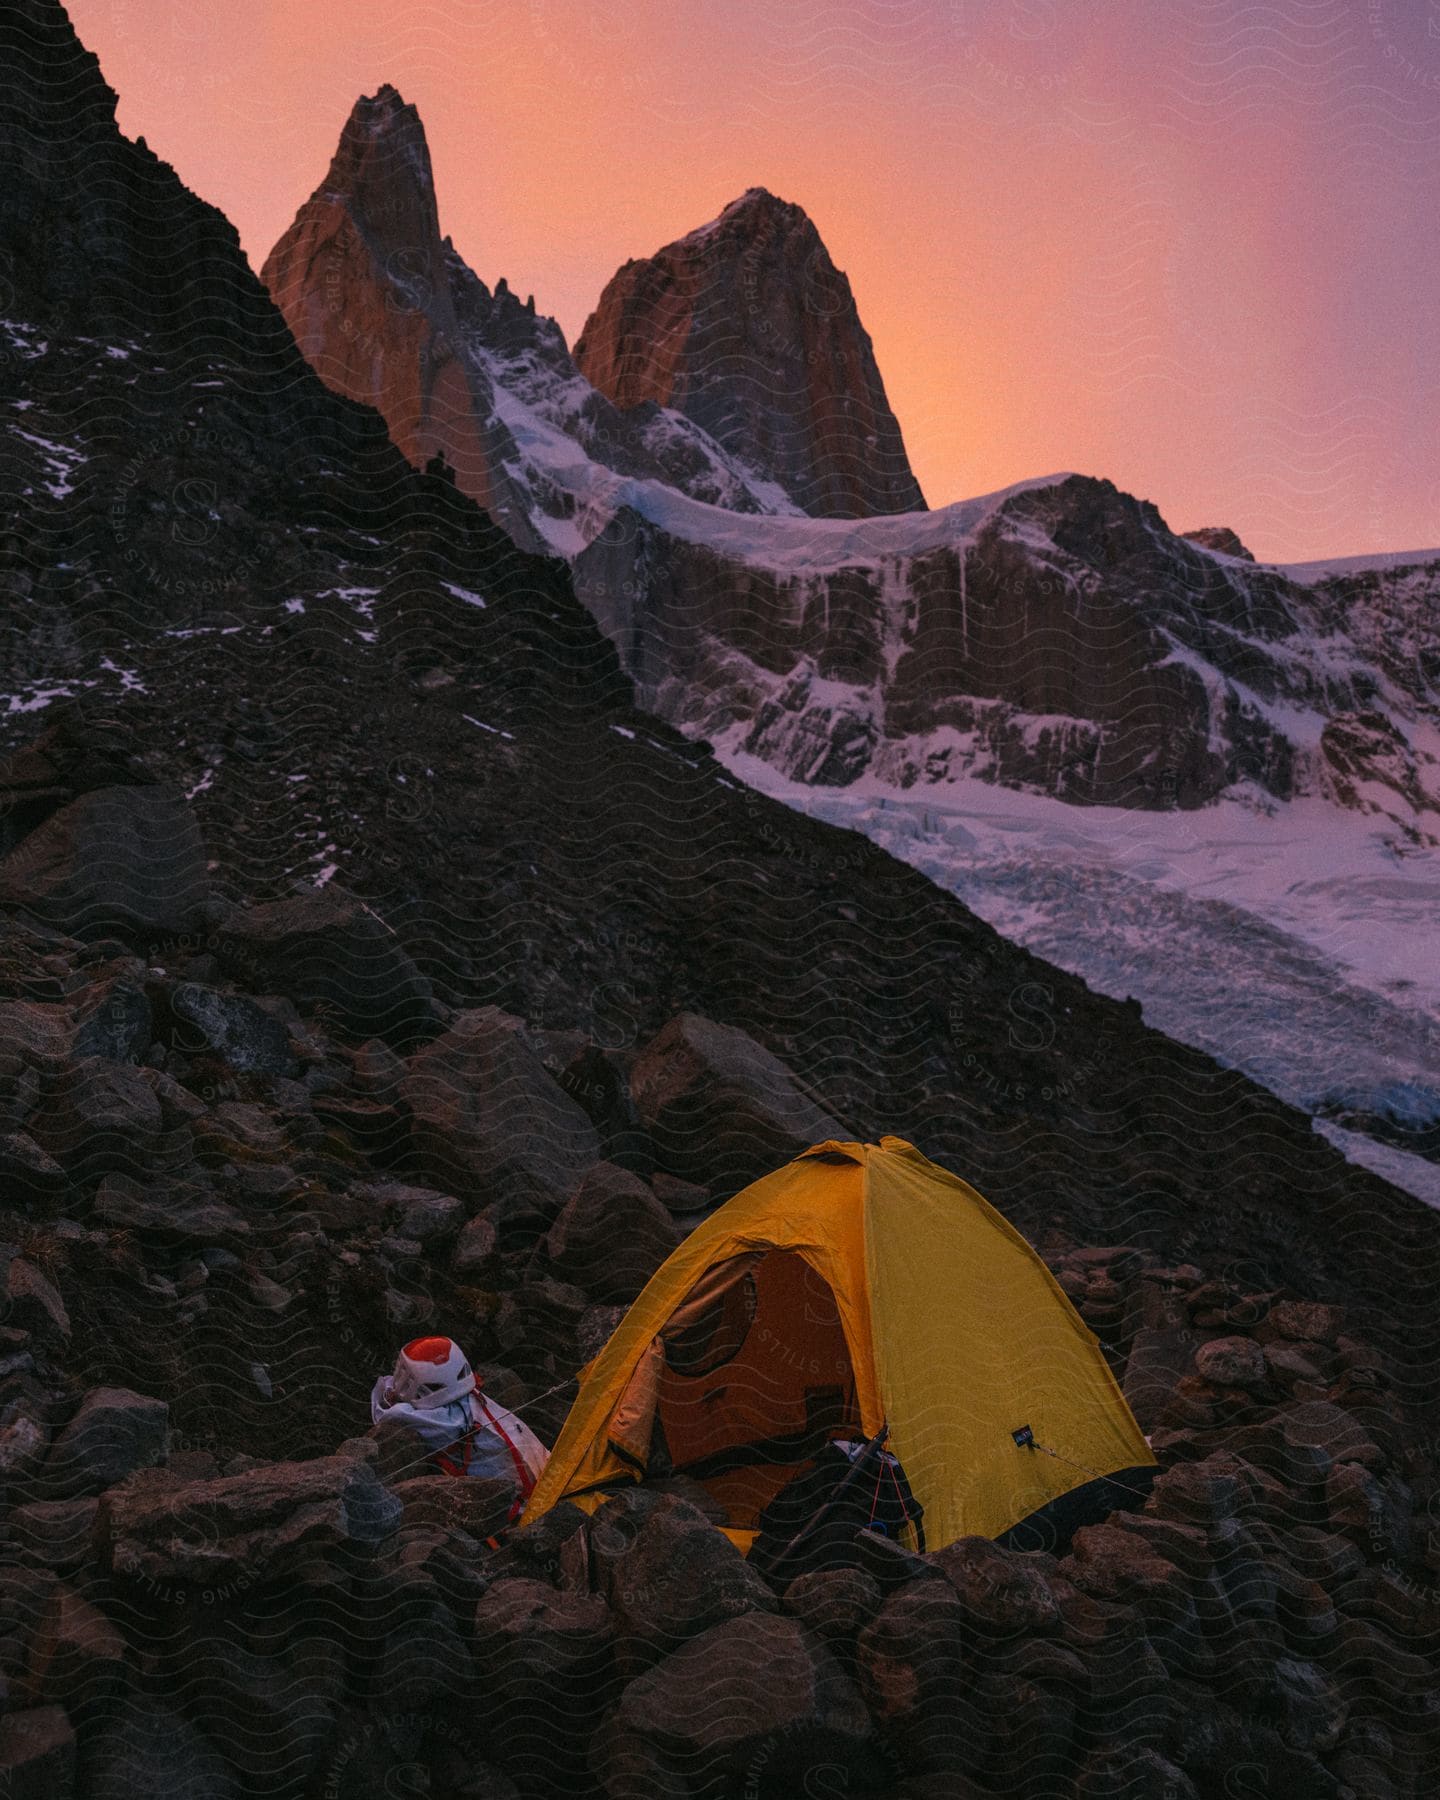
(875, 1497)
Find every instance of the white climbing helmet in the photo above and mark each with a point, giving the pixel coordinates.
(431, 1372)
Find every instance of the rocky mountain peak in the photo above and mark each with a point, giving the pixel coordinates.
(381, 169)
(746, 327)
(1221, 538)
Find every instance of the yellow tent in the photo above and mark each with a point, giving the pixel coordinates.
(859, 1286)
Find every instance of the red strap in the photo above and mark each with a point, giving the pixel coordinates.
(522, 1473)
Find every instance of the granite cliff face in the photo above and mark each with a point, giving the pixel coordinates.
(388, 312)
(747, 327)
(365, 284)
(1055, 637)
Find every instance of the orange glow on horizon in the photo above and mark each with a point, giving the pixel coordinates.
(1178, 248)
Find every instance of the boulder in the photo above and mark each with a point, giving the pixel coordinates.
(29, 1301)
(147, 1749)
(58, 1534)
(211, 1532)
(77, 1658)
(1130, 1772)
(34, 1034)
(721, 1109)
(611, 1237)
(1288, 1362)
(834, 1606)
(429, 1217)
(546, 1673)
(378, 1071)
(177, 1215)
(1203, 1493)
(271, 1706)
(424, 1664)
(1307, 1320)
(1313, 1713)
(719, 1715)
(1119, 1566)
(682, 1199)
(1004, 1593)
(915, 1671)
(196, 1020)
(595, 1082)
(1316, 1424)
(113, 1432)
(668, 1575)
(27, 1171)
(127, 859)
(477, 1248)
(24, 1441)
(37, 1755)
(101, 1116)
(328, 950)
(476, 1506)
(113, 1018)
(489, 1124)
(1367, 1511)
(1231, 1362)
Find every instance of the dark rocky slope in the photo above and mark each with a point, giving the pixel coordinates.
(254, 1132)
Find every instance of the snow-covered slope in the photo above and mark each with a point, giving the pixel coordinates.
(1295, 941)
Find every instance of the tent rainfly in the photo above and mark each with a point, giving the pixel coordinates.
(859, 1287)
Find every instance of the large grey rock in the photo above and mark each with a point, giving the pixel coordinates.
(118, 858)
(719, 1715)
(176, 1216)
(668, 1575)
(154, 1528)
(1004, 1593)
(546, 1671)
(78, 1658)
(113, 1016)
(102, 1115)
(30, 1301)
(148, 1750)
(914, 1671)
(720, 1107)
(195, 1019)
(327, 949)
(1159, 1357)
(612, 1236)
(270, 1705)
(113, 1432)
(1231, 1362)
(489, 1123)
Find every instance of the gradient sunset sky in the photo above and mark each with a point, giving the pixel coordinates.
(1191, 245)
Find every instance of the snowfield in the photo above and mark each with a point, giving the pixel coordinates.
(1297, 942)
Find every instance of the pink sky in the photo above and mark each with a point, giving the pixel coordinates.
(1191, 245)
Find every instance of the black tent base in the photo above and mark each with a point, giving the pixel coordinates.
(1053, 1525)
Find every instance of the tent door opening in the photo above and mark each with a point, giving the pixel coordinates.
(754, 1382)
